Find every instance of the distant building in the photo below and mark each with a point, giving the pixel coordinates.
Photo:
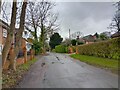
(89, 39)
(115, 35)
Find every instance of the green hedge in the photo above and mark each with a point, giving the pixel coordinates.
(53, 50)
(107, 49)
(66, 50)
(61, 49)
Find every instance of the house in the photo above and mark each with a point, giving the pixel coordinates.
(3, 34)
(4, 27)
(89, 39)
(115, 35)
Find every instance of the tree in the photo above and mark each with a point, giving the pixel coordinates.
(18, 37)
(40, 17)
(55, 40)
(0, 5)
(73, 42)
(10, 34)
(97, 35)
(103, 36)
(66, 42)
(36, 47)
(115, 25)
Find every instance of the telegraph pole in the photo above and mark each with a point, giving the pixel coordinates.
(69, 33)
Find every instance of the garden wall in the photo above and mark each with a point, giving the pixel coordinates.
(19, 61)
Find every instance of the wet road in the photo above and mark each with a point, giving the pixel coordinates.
(0, 72)
(61, 71)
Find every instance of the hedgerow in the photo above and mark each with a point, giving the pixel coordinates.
(107, 49)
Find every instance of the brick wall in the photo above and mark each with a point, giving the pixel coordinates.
(19, 61)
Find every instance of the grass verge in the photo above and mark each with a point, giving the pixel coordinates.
(11, 78)
(105, 63)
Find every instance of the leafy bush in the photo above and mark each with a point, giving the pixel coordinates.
(60, 49)
(37, 47)
(73, 42)
(107, 49)
(53, 50)
(80, 43)
(66, 49)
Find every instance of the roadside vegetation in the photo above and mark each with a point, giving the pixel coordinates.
(105, 63)
(11, 78)
(106, 49)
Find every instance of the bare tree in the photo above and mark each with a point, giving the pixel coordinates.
(40, 17)
(115, 25)
(18, 37)
(10, 34)
(0, 6)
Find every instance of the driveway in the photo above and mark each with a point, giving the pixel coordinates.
(61, 71)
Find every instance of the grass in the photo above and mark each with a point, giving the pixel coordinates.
(11, 78)
(104, 63)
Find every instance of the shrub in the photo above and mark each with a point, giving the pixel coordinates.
(37, 47)
(107, 49)
(73, 42)
(80, 43)
(53, 50)
(66, 49)
(60, 49)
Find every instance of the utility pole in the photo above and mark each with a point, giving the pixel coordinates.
(69, 33)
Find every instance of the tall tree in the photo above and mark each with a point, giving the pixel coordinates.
(18, 37)
(73, 42)
(115, 25)
(40, 17)
(55, 40)
(0, 5)
(10, 33)
(97, 35)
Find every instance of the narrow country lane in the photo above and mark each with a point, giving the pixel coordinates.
(60, 71)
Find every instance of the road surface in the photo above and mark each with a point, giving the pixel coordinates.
(61, 71)
(0, 72)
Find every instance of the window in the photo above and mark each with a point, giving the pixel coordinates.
(4, 33)
(0, 49)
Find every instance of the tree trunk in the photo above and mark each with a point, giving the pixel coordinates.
(0, 5)
(42, 38)
(10, 33)
(18, 36)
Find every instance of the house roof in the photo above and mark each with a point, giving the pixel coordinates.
(89, 38)
(4, 24)
(117, 34)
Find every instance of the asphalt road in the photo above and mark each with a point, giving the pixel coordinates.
(61, 71)
(0, 72)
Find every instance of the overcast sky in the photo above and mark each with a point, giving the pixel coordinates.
(87, 17)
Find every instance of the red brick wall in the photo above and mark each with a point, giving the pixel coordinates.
(19, 61)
